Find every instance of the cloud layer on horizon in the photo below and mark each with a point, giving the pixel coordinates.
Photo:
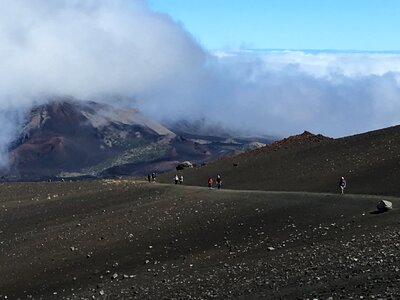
(108, 49)
(335, 94)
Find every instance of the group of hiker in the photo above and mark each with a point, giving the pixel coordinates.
(218, 182)
(178, 179)
(152, 177)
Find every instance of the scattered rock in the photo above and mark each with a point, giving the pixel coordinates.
(384, 205)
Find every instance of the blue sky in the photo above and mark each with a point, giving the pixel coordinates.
(367, 25)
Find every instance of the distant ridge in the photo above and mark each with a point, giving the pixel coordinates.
(305, 139)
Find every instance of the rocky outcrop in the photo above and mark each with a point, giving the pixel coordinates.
(184, 165)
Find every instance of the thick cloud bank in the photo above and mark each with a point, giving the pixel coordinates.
(119, 49)
(89, 48)
(335, 94)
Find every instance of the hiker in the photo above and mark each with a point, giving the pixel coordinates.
(342, 184)
(181, 179)
(218, 181)
(149, 177)
(153, 177)
(210, 183)
(176, 178)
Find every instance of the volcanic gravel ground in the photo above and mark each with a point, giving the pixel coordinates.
(125, 239)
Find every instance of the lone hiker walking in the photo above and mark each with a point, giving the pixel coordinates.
(342, 184)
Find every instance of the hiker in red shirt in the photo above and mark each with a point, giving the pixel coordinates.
(210, 182)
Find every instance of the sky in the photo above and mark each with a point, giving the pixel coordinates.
(368, 25)
(250, 67)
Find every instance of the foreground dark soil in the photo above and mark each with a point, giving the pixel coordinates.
(125, 239)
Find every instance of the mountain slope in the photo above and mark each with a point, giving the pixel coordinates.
(370, 162)
(70, 138)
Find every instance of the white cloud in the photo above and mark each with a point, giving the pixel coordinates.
(337, 94)
(88, 48)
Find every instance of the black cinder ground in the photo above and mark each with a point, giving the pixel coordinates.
(125, 239)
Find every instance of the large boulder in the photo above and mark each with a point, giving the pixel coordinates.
(384, 205)
(184, 165)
